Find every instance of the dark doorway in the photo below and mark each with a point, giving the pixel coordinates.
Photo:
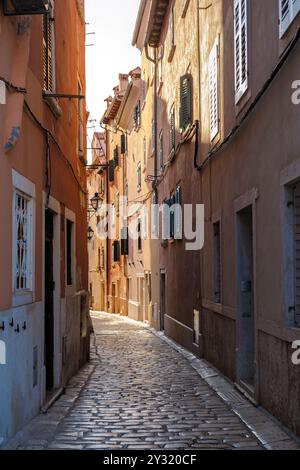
(162, 300)
(246, 321)
(49, 311)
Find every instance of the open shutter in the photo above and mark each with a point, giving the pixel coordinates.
(123, 143)
(111, 170)
(288, 9)
(166, 220)
(172, 129)
(185, 101)
(241, 47)
(213, 91)
(297, 252)
(48, 25)
(116, 251)
(178, 214)
(116, 156)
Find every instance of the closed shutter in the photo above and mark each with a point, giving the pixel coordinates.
(297, 252)
(213, 91)
(288, 9)
(185, 101)
(111, 170)
(116, 251)
(172, 130)
(166, 220)
(178, 213)
(123, 143)
(48, 24)
(241, 47)
(172, 202)
(116, 156)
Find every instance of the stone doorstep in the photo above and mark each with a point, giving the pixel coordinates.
(269, 432)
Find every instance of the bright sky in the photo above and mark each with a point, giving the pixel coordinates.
(113, 23)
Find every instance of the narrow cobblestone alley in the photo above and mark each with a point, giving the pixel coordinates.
(137, 393)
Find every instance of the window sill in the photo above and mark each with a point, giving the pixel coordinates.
(53, 105)
(171, 53)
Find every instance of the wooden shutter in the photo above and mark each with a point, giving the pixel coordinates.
(241, 47)
(178, 213)
(297, 252)
(48, 52)
(123, 143)
(116, 156)
(213, 91)
(185, 101)
(116, 251)
(111, 170)
(172, 129)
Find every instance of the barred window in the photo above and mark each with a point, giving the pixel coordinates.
(22, 242)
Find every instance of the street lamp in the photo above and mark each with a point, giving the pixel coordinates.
(95, 201)
(90, 233)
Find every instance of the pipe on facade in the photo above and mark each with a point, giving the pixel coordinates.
(15, 102)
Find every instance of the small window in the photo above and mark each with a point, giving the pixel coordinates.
(213, 91)
(123, 144)
(137, 115)
(178, 214)
(139, 241)
(217, 262)
(116, 251)
(69, 252)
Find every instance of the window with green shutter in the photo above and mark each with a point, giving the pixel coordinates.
(186, 112)
(123, 144)
(111, 170)
(116, 156)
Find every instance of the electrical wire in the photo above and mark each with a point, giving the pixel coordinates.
(13, 87)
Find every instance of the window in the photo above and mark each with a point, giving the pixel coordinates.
(178, 214)
(80, 122)
(117, 203)
(288, 10)
(161, 150)
(69, 252)
(217, 261)
(48, 51)
(124, 241)
(116, 156)
(145, 151)
(139, 241)
(111, 171)
(172, 28)
(241, 47)
(139, 176)
(102, 259)
(185, 101)
(137, 115)
(23, 242)
(123, 143)
(116, 251)
(213, 91)
(172, 129)
(126, 191)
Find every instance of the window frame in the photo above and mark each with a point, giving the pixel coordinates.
(241, 86)
(26, 189)
(213, 74)
(50, 23)
(293, 10)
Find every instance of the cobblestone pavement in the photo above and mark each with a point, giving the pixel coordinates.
(138, 393)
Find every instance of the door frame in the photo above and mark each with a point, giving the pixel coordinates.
(248, 199)
(163, 272)
(53, 205)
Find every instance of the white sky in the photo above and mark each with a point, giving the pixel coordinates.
(113, 23)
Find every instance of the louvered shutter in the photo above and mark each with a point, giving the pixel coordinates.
(213, 91)
(111, 170)
(178, 213)
(241, 47)
(172, 130)
(297, 252)
(47, 52)
(116, 156)
(116, 251)
(185, 101)
(288, 9)
(166, 220)
(172, 202)
(123, 144)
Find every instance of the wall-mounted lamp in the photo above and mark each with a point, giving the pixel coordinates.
(96, 201)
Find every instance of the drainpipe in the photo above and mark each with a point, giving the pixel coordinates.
(155, 108)
(15, 103)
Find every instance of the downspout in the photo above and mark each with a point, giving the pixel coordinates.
(15, 102)
(155, 108)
